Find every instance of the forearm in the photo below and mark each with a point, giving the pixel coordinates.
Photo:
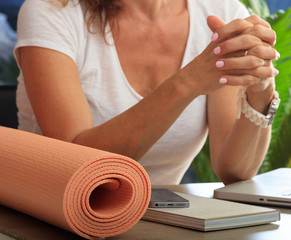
(245, 147)
(242, 152)
(63, 112)
(133, 132)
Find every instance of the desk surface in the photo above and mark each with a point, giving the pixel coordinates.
(14, 225)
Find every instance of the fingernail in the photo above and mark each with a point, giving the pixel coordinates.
(217, 50)
(219, 64)
(222, 80)
(214, 37)
(275, 71)
(277, 55)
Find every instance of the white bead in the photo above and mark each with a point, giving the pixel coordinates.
(249, 112)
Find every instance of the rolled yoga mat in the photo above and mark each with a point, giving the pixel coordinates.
(90, 192)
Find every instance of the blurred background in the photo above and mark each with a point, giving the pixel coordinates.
(275, 5)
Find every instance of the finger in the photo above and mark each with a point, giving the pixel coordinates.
(237, 26)
(240, 53)
(214, 22)
(231, 29)
(260, 72)
(241, 80)
(265, 34)
(264, 52)
(255, 20)
(240, 63)
(243, 42)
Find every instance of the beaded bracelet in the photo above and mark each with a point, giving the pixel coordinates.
(253, 115)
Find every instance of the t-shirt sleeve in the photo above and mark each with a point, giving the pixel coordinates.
(44, 24)
(227, 10)
(238, 10)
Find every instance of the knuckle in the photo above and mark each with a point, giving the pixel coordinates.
(259, 29)
(255, 51)
(255, 62)
(227, 45)
(266, 73)
(258, 20)
(258, 51)
(258, 73)
(245, 39)
(239, 22)
(270, 72)
(255, 18)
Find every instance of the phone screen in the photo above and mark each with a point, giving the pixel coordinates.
(164, 198)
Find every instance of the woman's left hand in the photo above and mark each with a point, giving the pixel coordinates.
(245, 45)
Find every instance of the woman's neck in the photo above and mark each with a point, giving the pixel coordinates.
(151, 9)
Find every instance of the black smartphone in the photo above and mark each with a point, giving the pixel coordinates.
(164, 198)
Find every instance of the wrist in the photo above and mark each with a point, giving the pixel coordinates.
(267, 114)
(260, 101)
(187, 84)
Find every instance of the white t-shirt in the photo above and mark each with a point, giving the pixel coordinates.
(105, 86)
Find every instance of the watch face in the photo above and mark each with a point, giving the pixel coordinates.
(273, 106)
(272, 110)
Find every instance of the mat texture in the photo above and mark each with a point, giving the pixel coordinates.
(89, 192)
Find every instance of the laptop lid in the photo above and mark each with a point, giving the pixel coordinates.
(271, 188)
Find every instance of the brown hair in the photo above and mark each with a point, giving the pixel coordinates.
(95, 9)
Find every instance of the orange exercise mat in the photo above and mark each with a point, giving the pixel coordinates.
(90, 192)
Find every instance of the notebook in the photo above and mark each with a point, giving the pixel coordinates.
(271, 188)
(209, 214)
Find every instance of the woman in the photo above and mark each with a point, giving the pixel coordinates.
(142, 78)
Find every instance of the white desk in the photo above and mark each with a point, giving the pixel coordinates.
(20, 226)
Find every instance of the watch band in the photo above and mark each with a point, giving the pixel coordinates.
(253, 115)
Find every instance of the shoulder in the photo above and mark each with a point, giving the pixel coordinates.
(45, 12)
(42, 23)
(51, 5)
(225, 9)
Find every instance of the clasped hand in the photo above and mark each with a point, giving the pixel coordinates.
(240, 54)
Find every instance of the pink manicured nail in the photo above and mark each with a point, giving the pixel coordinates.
(275, 71)
(219, 64)
(222, 80)
(214, 37)
(277, 55)
(217, 50)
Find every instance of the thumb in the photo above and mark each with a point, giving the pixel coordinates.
(214, 22)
